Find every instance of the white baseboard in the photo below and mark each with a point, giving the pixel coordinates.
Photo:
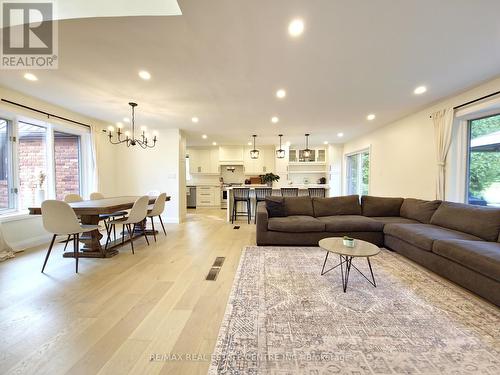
(30, 242)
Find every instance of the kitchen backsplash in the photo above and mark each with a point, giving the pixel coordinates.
(236, 176)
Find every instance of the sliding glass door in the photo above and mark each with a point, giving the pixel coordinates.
(484, 161)
(358, 172)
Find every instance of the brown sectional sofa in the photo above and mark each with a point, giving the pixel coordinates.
(458, 241)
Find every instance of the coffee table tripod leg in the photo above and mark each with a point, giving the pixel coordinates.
(342, 272)
(348, 271)
(371, 271)
(326, 258)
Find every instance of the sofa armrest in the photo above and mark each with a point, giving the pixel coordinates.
(262, 217)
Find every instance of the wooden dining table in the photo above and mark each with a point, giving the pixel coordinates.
(89, 213)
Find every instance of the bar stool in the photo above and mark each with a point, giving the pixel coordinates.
(289, 192)
(317, 192)
(241, 195)
(260, 195)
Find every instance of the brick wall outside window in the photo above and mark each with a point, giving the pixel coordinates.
(67, 164)
(32, 161)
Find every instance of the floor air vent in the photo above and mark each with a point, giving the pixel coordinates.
(215, 269)
(236, 227)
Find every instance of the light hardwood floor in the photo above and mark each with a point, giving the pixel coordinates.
(116, 313)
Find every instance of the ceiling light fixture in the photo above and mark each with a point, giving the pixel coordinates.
(254, 154)
(195, 119)
(296, 27)
(145, 75)
(288, 144)
(325, 142)
(126, 119)
(280, 153)
(281, 93)
(214, 143)
(249, 143)
(274, 120)
(420, 90)
(30, 77)
(131, 141)
(306, 153)
(370, 117)
(340, 135)
(204, 136)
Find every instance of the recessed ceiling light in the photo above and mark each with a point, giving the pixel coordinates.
(30, 77)
(340, 135)
(143, 128)
(288, 144)
(204, 136)
(249, 143)
(370, 117)
(214, 143)
(325, 142)
(119, 125)
(145, 75)
(274, 119)
(420, 90)
(126, 119)
(296, 27)
(281, 93)
(195, 119)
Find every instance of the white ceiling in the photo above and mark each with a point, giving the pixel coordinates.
(223, 60)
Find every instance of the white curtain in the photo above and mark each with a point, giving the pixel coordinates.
(5, 250)
(94, 137)
(443, 125)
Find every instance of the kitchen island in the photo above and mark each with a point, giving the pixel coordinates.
(276, 192)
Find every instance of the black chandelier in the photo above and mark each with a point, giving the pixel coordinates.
(280, 154)
(254, 154)
(306, 153)
(130, 139)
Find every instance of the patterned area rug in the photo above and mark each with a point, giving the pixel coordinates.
(284, 318)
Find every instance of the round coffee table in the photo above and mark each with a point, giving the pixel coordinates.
(361, 249)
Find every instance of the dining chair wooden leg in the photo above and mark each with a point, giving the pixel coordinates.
(131, 238)
(76, 248)
(67, 240)
(161, 222)
(143, 227)
(48, 251)
(153, 226)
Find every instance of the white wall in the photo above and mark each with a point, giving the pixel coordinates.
(162, 168)
(403, 161)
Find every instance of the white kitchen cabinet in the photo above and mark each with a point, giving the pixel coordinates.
(203, 160)
(207, 196)
(231, 154)
(318, 155)
(262, 165)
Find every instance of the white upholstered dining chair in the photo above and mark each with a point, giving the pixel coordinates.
(107, 217)
(156, 210)
(71, 198)
(60, 220)
(136, 217)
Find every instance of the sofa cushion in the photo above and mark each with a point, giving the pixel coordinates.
(423, 235)
(480, 256)
(479, 221)
(378, 206)
(275, 207)
(394, 220)
(298, 206)
(346, 205)
(351, 223)
(295, 224)
(418, 209)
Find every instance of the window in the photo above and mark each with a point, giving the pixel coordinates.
(41, 161)
(67, 164)
(6, 201)
(358, 172)
(32, 164)
(483, 173)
